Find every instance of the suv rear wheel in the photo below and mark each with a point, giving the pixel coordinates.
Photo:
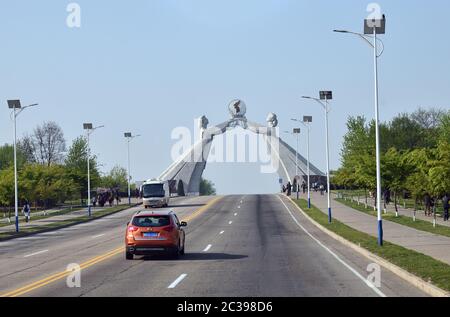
(129, 256)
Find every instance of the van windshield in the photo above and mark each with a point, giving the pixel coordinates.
(153, 190)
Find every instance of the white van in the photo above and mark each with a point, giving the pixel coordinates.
(155, 193)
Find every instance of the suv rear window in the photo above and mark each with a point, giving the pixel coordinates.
(151, 221)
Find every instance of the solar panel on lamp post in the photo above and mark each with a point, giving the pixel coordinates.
(14, 105)
(373, 28)
(89, 130)
(129, 136)
(307, 120)
(324, 97)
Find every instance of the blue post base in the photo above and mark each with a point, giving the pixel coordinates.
(329, 215)
(129, 201)
(89, 211)
(309, 203)
(17, 224)
(380, 233)
(298, 195)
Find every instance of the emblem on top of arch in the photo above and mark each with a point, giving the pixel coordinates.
(237, 109)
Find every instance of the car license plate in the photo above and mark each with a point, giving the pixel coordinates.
(150, 234)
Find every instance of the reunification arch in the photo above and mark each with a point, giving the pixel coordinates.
(185, 174)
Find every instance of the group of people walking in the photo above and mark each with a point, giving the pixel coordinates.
(289, 188)
(106, 197)
(430, 204)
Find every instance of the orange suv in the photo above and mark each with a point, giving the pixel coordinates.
(151, 231)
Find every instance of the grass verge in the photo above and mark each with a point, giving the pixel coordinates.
(63, 223)
(34, 218)
(403, 220)
(423, 266)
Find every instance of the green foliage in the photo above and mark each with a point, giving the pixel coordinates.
(207, 188)
(7, 157)
(76, 164)
(415, 154)
(117, 179)
(7, 187)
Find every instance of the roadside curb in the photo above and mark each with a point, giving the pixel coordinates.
(402, 273)
(64, 226)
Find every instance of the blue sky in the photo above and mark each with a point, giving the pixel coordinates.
(151, 66)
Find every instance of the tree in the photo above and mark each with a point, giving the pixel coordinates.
(7, 187)
(116, 179)
(207, 188)
(76, 164)
(429, 120)
(7, 157)
(48, 143)
(398, 139)
(444, 128)
(47, 185)
(26, 146)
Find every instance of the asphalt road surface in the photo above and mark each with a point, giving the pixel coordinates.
(248, 246)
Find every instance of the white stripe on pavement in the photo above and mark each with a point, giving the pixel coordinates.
(367, 282)
(222, 232)
(230, 222)
(177, 281)
(98, 236)
(207, 248)
(235, 214)
(36, 253)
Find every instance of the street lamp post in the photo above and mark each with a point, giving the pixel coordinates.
(129, 136)
(15, 104)
(307, 120)
(323, 99)
(296, 132)
(373, 27)
(89, 130)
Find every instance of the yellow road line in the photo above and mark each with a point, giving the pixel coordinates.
(58, 276)
(202, 210)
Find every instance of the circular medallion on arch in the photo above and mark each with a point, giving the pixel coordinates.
(237, 108)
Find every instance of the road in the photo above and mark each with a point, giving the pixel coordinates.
(248, 246)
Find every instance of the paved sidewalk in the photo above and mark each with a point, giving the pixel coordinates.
(60, 218)
(436, 246)
(420, 214)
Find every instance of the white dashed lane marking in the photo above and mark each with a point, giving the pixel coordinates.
(177, 281)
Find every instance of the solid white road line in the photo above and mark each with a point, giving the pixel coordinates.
(235, 214)
(36, 253)
(239, 207)
(207, 248)
(230, 222)
(98, 236)
(367, 282)
(177, 281)
(222, 232)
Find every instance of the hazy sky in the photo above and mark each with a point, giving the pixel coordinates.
(151, 66)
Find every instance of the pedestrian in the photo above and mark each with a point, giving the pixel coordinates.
(283, 189)
(94, 201)
(26, 211)
(117, 197)
(289, 189)
(427, 203)
(322, 189)
(446, 205)
(304, 187)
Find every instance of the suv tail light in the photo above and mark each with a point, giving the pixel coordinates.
(132, 229)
